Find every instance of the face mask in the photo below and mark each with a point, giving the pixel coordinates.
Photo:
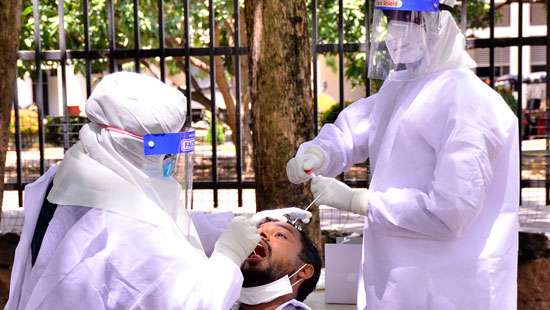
(168, 166)
(265, 293)
(404, 42)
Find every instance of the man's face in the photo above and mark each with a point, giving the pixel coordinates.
(275, 256)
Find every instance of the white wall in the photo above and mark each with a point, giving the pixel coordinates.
(511, 32)
(328, 83)
(24, 91)
(76, 91)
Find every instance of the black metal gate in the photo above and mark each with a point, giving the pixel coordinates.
(114, 56)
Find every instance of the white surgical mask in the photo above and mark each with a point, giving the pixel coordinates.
(404, 42)
(265, 293)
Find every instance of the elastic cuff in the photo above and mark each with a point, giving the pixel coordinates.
(360, 201)
(319, 153)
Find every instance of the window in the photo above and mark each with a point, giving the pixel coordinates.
(502, 61)
(538, 68)
(481, 56)
(538, 58)
(538, 14)
(503, 16)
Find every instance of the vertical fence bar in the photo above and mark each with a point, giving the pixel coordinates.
(137, 43)
(63, 61)
(314, 31)
(547, 183)
(17, 139)
(213, 132)
(367, 42)
(520, 87)
(112, 43)
(39, 94)
(464, 16)
(238, 118)
(341, 52)
(341, 57)
(187, 64)
(161, 41)
(368, 14)
(87, 47)
(492, 44)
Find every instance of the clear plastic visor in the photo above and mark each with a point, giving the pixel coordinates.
(399, 43)
(177, 150)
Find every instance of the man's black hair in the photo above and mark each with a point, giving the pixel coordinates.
(309, 255)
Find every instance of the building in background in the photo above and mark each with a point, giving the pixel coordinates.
(506, 58)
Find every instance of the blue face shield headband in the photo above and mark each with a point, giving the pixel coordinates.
(410, 5)
(172, 146)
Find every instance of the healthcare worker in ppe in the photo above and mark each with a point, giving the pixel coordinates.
(120, 237)
(441, 222)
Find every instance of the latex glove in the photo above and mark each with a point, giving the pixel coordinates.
(299, 168)
(282, 215)
(238, 241)
(336, 194)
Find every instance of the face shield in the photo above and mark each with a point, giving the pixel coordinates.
(400, 39)
(177, 165)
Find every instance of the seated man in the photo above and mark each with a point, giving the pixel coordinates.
(282, 271)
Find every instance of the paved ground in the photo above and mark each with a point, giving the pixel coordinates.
(316, 301)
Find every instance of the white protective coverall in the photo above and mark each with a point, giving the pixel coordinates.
(118, 239)
(441, 227)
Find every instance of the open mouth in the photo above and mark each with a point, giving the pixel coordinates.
(260, 252)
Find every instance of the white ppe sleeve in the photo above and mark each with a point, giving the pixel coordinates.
(463, 171)
(214, 285)
(345, 142)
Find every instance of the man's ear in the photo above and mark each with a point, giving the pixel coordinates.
(307, 272)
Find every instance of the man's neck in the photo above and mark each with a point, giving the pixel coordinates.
(272, 305)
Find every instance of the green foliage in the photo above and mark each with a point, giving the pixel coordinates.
(54, 129)
(325, 102)
(354, 31)
(28, 121)
(330, 115)
(220, 134)
(124, 27)
(354, 28)
(508, 96)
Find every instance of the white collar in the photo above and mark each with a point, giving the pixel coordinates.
(293, 302)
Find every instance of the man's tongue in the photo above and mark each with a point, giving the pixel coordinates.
(257, 255)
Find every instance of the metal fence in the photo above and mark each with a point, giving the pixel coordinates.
(340, 49)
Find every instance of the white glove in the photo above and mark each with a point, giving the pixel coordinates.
(238, 241)
(299, 168)
(336, 194)
(282, 215)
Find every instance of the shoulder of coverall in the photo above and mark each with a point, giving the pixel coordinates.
(461, 87)
(361, 104)
(473, 91)
(458, 96)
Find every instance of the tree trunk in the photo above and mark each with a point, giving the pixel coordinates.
(280, 92)
(10, 20)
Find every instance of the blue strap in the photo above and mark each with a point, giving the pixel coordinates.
(169, 143)
(408, 5)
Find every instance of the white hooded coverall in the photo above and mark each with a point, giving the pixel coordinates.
(441, 230)
(118, 239)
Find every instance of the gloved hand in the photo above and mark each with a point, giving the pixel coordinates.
(336, 194)
(299, 168)
(238, 241)
(282, 215)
